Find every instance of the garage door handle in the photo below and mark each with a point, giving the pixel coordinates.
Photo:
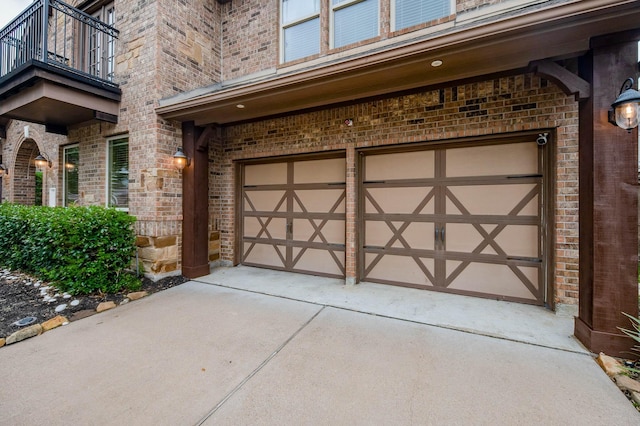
(437, 234)
(442, 234)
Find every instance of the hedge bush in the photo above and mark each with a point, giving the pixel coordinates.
(81, 250)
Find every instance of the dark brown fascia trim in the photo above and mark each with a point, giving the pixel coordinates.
(570, 83)
(452, 41)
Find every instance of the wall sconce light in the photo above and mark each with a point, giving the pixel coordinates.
(625, 110)
(3, 170)
(42, 161)
(180, 159)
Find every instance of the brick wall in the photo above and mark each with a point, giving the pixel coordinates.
(502, 105)
(249, 37)
(18, 152)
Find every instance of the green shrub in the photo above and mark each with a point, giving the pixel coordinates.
(82, 250)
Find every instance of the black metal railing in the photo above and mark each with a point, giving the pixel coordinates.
(59, 35)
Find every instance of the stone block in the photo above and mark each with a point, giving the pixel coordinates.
(161, 242)
(610, 365)
(137, 295)
(2, 341)
(214, 236)
(54, 323)
(25, 333)
(214, 256)
(105, 306)
(142, 241)
(627, 383)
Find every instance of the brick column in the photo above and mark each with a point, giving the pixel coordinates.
(351, 201)
(195, 205)
(608, 201)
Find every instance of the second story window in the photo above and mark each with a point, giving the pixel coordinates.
(300, 28)
(354, 21)
(407, 13)
(101, 52)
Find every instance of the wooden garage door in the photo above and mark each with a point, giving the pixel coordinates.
(293, 216)
(463, 219)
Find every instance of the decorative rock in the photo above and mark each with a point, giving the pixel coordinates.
(610, 365)
(627, 383)
(61, 307)
(105, 306)
(66, 296)
(75, 302)
(124, 301)
(36, 285)
(2, 342)
(53, 323)
(25, 333)
(82, 314)
(635, 396)
(137, 295)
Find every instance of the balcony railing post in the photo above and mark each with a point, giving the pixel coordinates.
(45, 30)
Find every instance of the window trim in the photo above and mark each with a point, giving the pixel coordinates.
(392, 16)
(105, 64)
(64, 171)
(110, 140)
(290, 24)
(343, 5)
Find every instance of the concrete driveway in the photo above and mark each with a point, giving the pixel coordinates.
(203, 353)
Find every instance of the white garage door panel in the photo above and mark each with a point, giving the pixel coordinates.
(459, 219)
(293, 216)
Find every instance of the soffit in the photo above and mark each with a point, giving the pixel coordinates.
(506, 45)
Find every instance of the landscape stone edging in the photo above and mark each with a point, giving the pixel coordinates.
(57, 321)
(616, 371)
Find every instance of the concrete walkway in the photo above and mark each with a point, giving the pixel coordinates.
(206, 354)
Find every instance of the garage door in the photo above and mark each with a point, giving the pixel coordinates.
(463, 219)
(293, 216)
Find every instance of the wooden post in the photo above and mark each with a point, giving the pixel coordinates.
(608, 201)
(195, 205)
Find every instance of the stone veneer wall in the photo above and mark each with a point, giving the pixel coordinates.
(501, 105)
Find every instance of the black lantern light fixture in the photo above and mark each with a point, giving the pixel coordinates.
(42, 161)
(3, 170)
(180, 159)
(625, 110)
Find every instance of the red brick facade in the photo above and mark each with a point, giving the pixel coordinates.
(497, 106)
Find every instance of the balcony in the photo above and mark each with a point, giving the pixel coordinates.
(57, 68)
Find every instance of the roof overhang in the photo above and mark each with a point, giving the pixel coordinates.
(559, 31)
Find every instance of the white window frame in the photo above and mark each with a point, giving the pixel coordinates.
(110, 141)
(301, 20)
(343, 5)
(452, 10)
(64, 171)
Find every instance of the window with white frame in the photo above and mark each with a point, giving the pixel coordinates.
(407, 13)
(71, 158)
(101, 46)
(300, 29)
(118, 173)
(353, 21)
